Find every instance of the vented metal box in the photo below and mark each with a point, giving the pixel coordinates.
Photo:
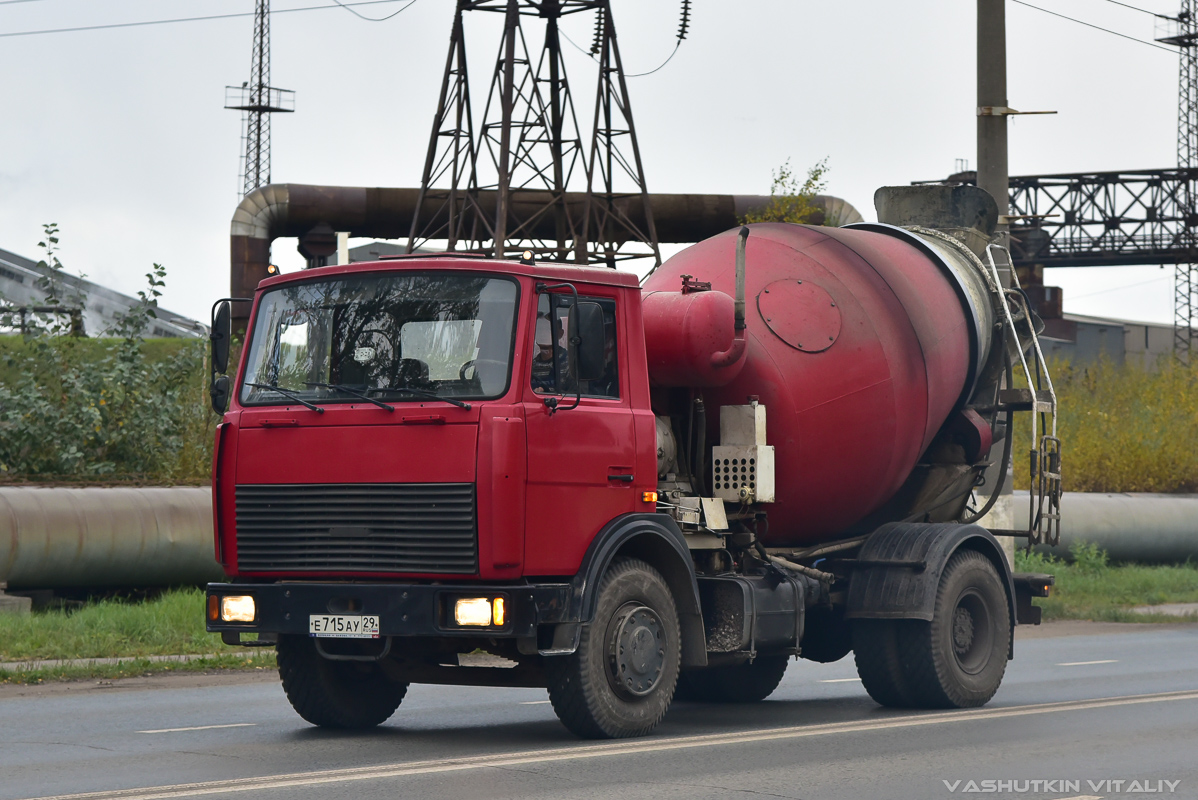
(738, 468)
(742, 467)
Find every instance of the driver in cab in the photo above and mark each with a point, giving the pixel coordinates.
(549, 362)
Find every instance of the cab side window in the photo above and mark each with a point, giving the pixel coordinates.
(551, 363)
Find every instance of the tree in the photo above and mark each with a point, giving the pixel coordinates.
(790, 202)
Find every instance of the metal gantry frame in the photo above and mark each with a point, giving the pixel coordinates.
(1182, 32)
(1089, 219)
(257, 100)
(1127, 218)
(493, 192)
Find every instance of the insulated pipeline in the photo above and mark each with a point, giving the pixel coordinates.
(58, 537)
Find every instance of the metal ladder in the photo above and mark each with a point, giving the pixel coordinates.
(1044, 510)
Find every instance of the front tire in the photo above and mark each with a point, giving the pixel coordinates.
(335, 694)
(620, 681)
(750, 682)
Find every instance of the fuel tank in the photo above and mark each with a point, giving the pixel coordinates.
(860, 341)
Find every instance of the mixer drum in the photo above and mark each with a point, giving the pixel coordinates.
(861, 342)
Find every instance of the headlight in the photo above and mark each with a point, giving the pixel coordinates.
(237, 608)
(472, 611)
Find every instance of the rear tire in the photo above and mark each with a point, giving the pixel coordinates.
(959, 658)
(620, 681)
(877, 651)
(750, 682)
(335, 694)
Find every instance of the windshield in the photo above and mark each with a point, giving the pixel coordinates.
(381, 334)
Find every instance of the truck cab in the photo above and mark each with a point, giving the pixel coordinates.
(418, 459)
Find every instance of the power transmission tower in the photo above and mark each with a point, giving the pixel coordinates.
(508, 188)
(257, 100)
(1182, 32)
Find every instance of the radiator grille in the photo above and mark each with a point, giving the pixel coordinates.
(404, 527)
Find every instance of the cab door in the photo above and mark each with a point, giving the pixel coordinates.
(581, 460)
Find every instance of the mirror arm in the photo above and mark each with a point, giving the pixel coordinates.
(572, 353)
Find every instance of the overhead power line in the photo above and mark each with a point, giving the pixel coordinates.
(1135, 8)
(1095, 27)
(142, 23)
(374, 19)
(1121, 288)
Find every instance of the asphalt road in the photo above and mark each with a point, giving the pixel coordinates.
(1108, 703)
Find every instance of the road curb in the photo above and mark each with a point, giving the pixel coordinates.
(24, 666)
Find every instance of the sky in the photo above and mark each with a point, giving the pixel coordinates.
(120, 136)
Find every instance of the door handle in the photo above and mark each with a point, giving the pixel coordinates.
(625, 478)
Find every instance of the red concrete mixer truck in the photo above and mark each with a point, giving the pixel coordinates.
(778, 445)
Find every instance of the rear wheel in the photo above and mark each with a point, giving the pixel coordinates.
(750, 682)
(959, 658)
(621, 680)
(335, 694)
(878, 655)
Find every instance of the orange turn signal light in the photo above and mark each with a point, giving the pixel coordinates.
(649, 497)
(213, 608)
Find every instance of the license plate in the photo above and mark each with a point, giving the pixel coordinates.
(344, 626)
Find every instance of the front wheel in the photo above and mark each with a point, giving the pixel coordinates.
(335, 694)
(620, 681)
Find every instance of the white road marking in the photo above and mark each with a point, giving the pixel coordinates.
(203, 727)
(1088, 663)
(842, 680)
(607, 750)
(534, 702)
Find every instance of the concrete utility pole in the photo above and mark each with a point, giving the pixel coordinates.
(994, 177)
(993, 173)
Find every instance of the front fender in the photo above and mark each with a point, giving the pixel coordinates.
(655, 539)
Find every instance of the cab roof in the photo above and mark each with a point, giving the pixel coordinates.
(451, 262)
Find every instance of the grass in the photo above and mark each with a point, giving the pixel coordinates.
(1091, 588)
(1123, 428)
(171, 623)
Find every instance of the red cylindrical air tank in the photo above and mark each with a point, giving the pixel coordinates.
(860, 343)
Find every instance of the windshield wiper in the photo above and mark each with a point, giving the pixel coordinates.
(338, 387)
(288, 394)
(425, 393)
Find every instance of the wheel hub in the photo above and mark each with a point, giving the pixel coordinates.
(972, 633)
(962, 630)
(636, 650)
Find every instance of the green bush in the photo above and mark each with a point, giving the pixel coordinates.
(1123, 428)
(108, 409)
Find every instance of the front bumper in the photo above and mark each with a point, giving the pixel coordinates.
(402, 609)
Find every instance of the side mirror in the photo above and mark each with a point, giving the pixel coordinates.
(222, 332)
(589, 328)
(219, 393)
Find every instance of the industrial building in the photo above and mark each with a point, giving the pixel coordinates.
(18, 287)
